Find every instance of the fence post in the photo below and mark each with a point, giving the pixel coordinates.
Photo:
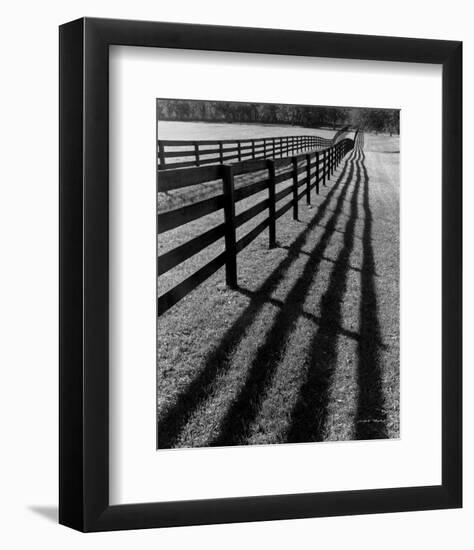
(281, 147)
(264, 148)
(317, 173)
(161, 154)
(325, 170)
(196, 153)
(253, 148)
(239, 151)
(294, 161)
(271, 205)
(324, 167)
(308, 179)
(229, 217)
(221, 153)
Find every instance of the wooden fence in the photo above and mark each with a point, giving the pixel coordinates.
(183, 153)
(316, 167)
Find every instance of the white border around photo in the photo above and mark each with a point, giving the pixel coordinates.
(140, 473)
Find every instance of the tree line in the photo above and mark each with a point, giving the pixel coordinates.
(374, 120)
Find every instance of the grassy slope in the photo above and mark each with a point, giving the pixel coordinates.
(307, 347)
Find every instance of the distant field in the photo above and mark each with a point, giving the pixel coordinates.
(214, 130)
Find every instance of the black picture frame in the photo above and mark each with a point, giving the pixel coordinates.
(84, 274)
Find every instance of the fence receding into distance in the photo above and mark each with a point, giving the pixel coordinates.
(186, 153)
(304, 171)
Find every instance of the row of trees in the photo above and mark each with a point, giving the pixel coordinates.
(378, 120)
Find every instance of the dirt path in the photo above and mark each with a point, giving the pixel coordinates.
(307, 348)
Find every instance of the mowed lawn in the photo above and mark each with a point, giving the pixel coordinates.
(307, 347)
(224, 130)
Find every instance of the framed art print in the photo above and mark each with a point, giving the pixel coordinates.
(260, 274)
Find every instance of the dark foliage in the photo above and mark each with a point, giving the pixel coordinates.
(377, 120)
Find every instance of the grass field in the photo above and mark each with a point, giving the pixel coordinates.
(224, 130)
(307, 347)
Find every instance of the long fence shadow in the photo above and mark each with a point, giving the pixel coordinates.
(309, 415)
(235, 426)
(172, 420)
(371, 421)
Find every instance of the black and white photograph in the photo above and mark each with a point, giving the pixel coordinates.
(236, 275)
(278, 273)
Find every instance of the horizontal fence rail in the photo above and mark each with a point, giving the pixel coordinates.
(186, 153)
(315, 168)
